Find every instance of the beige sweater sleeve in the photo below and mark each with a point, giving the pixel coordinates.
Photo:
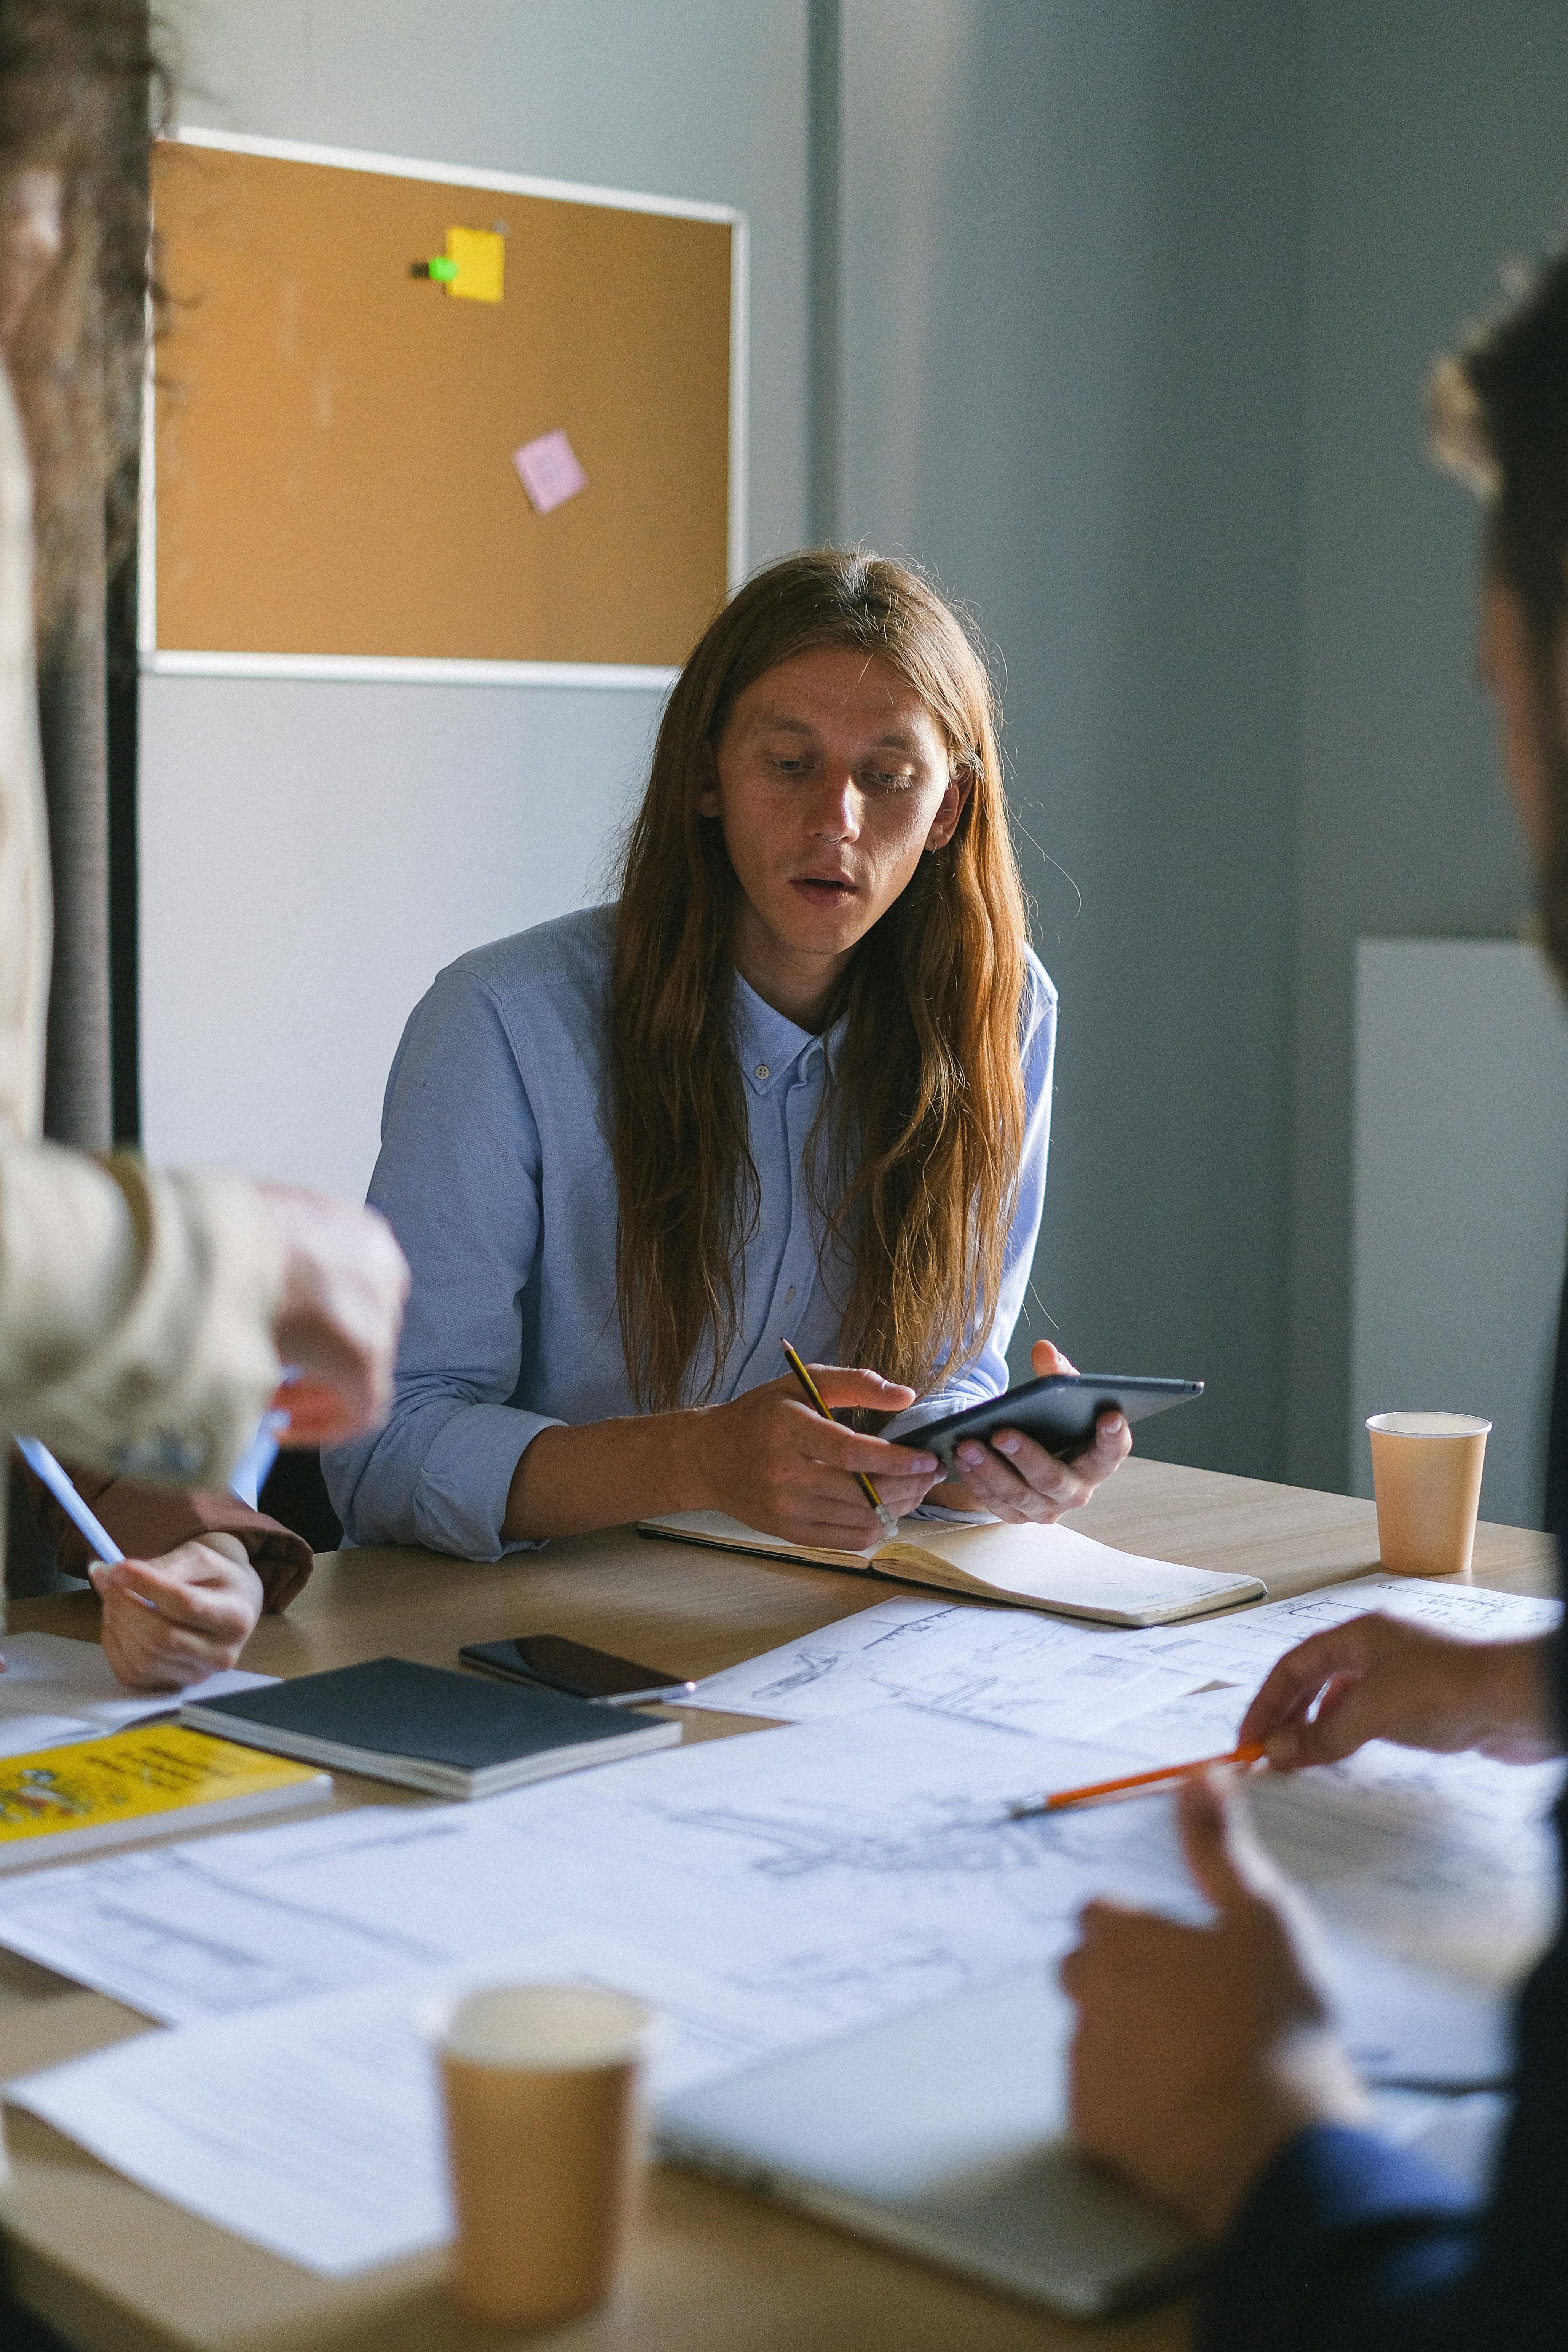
(135, 1310)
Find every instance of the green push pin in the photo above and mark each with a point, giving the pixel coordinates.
(439, 267)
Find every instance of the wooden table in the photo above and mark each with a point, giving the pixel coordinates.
(712, 2270)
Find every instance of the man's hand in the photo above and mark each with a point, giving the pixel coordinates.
(344, 1283)
(1381, 1678)
(1018, 1479)
(769, 1459)
(172, 1621)
(1201, 2051)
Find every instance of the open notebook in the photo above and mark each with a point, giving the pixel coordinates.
(1053, 1568)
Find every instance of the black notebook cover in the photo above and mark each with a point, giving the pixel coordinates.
(390, 1707)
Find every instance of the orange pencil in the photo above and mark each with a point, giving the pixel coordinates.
(1028, 1807)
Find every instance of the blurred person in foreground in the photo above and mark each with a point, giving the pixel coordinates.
(144, 1318)
(1206, 2065)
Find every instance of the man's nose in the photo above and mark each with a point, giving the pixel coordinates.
(837, 809)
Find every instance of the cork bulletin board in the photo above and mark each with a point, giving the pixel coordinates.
(330, 480)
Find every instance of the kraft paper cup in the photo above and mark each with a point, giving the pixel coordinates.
(543, 2142)
(1427, 1476)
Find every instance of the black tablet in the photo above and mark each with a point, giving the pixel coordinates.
(1058, 1412)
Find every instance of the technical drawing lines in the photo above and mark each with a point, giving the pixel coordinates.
(953, 1839)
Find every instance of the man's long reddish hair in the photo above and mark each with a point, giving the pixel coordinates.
(922, 1122)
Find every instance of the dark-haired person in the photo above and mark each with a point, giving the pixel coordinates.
(142, 1317)
(793, 1084)
(1205, 2065)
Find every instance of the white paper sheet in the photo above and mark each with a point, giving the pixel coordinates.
(55, 1692)
(812, 1878)
(1054, 1675)
(316, 2135)
(976, 1664)
(821, 1868)
(314, 2129)
(1245, 1644)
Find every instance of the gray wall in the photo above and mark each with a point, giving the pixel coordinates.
(1438, 147)
(1072, 336)
(1138, 302)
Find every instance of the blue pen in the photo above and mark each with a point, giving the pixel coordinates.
(249, 1477)
(38, 1458)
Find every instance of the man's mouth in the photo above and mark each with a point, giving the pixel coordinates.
(829, 889)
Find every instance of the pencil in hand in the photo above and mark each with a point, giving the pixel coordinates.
(889, 1525)
(1028, 1808)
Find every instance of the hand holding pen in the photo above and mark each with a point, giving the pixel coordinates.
(774, 1460)
(885, 1518)
(175, 1619)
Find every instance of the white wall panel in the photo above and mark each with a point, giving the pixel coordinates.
(311, 856)
(1460, 1197)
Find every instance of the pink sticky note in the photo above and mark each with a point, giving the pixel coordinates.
(551, 474)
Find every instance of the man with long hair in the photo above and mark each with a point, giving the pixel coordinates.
(1206, 2065)
(795, 1084)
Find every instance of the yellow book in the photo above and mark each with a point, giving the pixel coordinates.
(68, 1800)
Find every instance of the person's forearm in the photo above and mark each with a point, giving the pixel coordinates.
(569, 1481)
(1515, 1701)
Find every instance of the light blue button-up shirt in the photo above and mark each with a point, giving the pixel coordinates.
(495, 1174)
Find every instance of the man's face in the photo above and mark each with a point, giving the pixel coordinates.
(831, 779)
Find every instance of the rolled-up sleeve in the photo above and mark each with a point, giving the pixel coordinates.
(135, 1311)
(986, 1375)
(460, 1179)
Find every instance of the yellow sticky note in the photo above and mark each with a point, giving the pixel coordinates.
(480, 257)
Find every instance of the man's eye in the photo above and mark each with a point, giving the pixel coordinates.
(884, 779)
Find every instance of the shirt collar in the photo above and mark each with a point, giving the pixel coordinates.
(769, 1045)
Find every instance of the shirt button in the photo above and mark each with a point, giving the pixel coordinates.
(761, 1071)
(789, 1295)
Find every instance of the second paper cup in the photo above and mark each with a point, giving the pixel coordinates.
(1427, 1476)
(540, 2086)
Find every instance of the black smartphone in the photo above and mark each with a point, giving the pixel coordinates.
(1058, 1412)
(574, 1667)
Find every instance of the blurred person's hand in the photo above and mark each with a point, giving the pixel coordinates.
(1381, 1678)
(1201, 2051)
(344, 1283)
